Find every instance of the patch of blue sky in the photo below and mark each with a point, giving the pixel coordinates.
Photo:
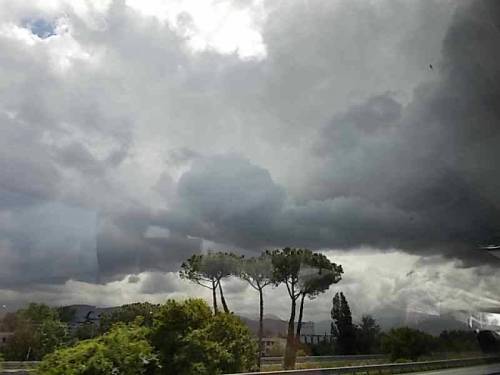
(40, 27)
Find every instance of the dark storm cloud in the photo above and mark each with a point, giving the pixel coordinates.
(422, 176)
(227, 198)
(437, 160)
(48, 242)
(123, 246)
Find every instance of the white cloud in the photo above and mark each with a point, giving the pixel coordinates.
(221, 26)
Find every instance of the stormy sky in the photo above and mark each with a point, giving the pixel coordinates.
(136, 133)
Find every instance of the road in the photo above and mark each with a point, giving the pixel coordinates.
(474, 370)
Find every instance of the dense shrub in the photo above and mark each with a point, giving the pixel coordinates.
(123, 350)
(408, 343)
(37, 331)
(190, 339)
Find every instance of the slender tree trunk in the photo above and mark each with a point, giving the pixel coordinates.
(261, 325)
(214, 297)
(223, 300)
(301, 313)
(290, 350)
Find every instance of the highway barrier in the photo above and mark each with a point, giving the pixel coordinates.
(388, 368)
(324, 358)
(18, 368)
(11, 367)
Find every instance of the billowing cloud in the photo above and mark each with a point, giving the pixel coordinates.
(419, 176)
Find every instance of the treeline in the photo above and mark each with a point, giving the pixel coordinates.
(173, 338)
(37, 330)
(400, 344)
(304, 273)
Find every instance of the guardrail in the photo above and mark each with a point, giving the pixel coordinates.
(16, 365)
(265, 360)
(324, 358)
(390, 368)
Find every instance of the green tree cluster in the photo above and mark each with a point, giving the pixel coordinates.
(127, 314)
(37, 331)
(258, 273)
(342, 327)
(123, 350)
(180, 338)
(303, 272)
(368, 336)
(208, 270)
(351, 338)
(458, 341)
(191, 339)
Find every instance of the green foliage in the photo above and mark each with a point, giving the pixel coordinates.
(123, 350)
(287, 264)
(408, 343)
(322, 348)
(86, 330)
(208, 270)
(50, 335)
(37, 331)
(304, 273)
(66, 313)
(176, 320)
(18, 347)
(192, 340)
(458, 341)
(224, 345)
(38, 313)
(342, 327)
(317, 274)
(128, 314)
(205, 269)
(8, 323)
(258, 271)
(368, 336)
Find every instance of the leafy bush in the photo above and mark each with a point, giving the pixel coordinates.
(37, 332)
(124, 350)
(191, 340)
(322, 348)
(407, 343)
(458, 341)
(128, 314)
